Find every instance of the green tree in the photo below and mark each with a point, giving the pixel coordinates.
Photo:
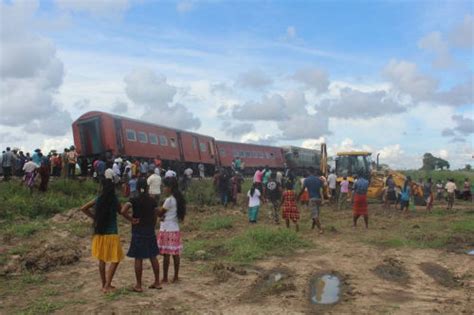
(468, 167)
(431, 162)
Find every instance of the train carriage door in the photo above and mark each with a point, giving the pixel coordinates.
(197, 146)
(90, 132)
(180, 147)
(119, 135)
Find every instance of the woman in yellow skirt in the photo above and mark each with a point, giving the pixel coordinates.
(106, 245)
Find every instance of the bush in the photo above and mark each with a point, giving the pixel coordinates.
(218, 223)
(201, 193)
(258, 242)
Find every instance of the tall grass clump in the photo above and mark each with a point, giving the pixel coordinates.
(201, 192)
(218, 223)
(258, 242)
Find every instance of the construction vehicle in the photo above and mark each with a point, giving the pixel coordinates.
(352, 163)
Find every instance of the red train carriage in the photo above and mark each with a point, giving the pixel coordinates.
(251, 154)
(97, 132)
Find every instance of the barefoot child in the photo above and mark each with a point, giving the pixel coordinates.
(169, 237)
(290, 210)
(254, 202)
(106, 245)
(143, 244)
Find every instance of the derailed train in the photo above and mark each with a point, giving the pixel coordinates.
(96, 133)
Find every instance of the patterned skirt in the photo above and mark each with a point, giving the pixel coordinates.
(169, 243)
(107, 247)
(290, 211)
(360, 205)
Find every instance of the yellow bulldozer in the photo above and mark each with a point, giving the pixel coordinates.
(351, 163)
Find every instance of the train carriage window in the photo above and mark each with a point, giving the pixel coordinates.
(173, 142)
(235, 153)
(248, 154)
(194, 144)
(254, 154)
(203, 147)
(163, 140)
(142, 137)
(242, 154)
(222, 152)
(272, 156)
(131, 135)
(261, 155)
(153, 138)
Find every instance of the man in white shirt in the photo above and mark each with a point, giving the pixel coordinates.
(451, 189)
(170, 173)
(332, 180)
(154, 186)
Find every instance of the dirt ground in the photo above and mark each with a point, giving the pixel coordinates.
(375, 279)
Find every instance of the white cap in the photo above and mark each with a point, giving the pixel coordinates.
(109, 173)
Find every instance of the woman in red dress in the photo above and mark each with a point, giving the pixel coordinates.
(290, 210)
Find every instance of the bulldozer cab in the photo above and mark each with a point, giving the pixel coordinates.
(349, 164)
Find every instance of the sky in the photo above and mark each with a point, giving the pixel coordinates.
(390, 77)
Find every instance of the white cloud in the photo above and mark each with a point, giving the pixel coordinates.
(406, 78)
(31, 74)
(304, 127)
(57, 144)
(97, 8)
(254, 79)
(434, 43)
(155, 95)
(463, 35)
(237, 130)
(313, 78)
(271, 107)
(120, 107)
(184, 6)
(356, 104)
(264, 139)
(313, 143)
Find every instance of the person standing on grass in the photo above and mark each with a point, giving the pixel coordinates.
(391, 196)
(332, 183)
(224, 187)
(44, 171)
(314, 185)
(8, 163)
(273, 192)
(253, 195)
(344, 193)
(439, 190)
(71, 162)
(143, 244)
(154, 186)
(428, 194)
(290, 209)
(451, 189)
(236, 187)
(467, 189)
(405, 196)
(304, 198)
(201, 170)
(360, 207)
(169, 237)
(30, 173)
(106, 245)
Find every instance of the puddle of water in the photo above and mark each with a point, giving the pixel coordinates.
(470, 252)
(325, 289)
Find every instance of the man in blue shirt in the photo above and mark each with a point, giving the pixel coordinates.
(314, 186)
(360, 206)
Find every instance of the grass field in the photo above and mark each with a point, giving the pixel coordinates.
(217, 240)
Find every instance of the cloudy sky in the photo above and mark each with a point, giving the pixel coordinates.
(385, 76)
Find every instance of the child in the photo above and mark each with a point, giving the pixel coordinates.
(143, 244)
(169, 237)
(254, 202)
(290, 210)
(132, 184)
(405, 197)
(304, 199)
(106, 242)
(344, 193)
